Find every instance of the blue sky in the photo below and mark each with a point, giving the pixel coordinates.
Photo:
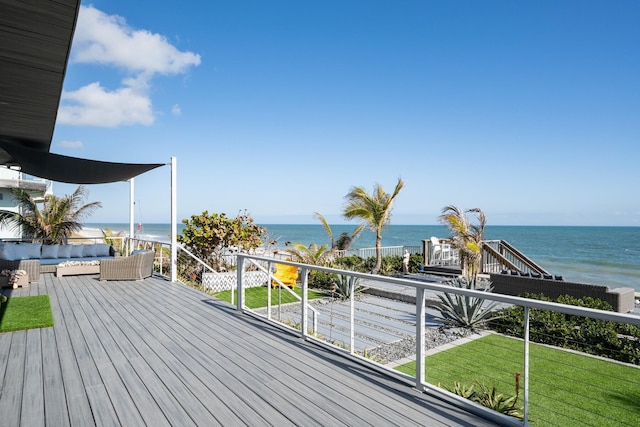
(529, 111)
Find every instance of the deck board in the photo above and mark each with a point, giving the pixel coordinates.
(11, 397)
(158, 353)
(33, 391)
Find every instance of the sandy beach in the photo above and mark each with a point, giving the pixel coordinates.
(88, 233)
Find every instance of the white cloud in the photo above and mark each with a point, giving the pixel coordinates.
(105, 39)
(176, 110)
(74, 145)
(108, 40)
(93, 105)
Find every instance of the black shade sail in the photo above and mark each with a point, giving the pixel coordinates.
(35, 41)
(72, 170)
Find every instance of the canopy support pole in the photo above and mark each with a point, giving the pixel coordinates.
(174, 223)
(132, 204)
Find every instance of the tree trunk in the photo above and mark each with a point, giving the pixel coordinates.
(378, 253)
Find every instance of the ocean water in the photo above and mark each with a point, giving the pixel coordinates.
(600, 255)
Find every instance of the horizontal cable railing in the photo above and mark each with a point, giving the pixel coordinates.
(540, 363)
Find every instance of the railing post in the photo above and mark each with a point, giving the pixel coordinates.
(352, 310)
(420, 318)
(305, 310)
(526, 367)
(240, 296)
(269, 288)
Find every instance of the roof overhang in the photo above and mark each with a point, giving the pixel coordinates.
(36, 40)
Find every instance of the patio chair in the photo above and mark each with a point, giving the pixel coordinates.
(441, 253)
(137, 266)
(287, 274)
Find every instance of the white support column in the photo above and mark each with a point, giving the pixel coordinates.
(132, 205)
(174, 223)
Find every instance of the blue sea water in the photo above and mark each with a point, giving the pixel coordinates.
(600, 255)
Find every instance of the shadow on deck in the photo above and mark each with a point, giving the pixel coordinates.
(158, 353)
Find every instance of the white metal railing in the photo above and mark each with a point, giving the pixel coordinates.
(384, 251)
(281, 286)
(444, 254)
(429, 291)
(498, 255)
(193, 271)
(162, 252)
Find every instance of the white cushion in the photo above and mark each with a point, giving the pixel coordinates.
(50, 251)
(64, 251)
(102, 249)
(89, 251)
(77, 251)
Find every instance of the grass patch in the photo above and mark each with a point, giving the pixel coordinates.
(26, 313)
(257, 297)
(565, 388)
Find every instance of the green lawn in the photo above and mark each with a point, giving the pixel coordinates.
(565, 389)
(257, 297)
(26, 313)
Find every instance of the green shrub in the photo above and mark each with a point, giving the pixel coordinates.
(391, 265)
(351, 263)
(321, 280)
(415, 261)
(616, 341)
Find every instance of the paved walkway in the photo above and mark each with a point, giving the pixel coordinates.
(384, 314)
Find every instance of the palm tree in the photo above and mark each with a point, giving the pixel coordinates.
(345, 240)
(374, 210)
(312, 254)
(467, 237)
(58, 219)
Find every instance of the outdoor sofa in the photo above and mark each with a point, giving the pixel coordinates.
(622, 300)
(137, 266)
(36, 258)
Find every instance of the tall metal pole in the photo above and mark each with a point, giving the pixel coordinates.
(174, 223)
(132, 204)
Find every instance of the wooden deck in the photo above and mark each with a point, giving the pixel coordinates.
(158, 353)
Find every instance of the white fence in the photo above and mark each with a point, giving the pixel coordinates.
(217, 282)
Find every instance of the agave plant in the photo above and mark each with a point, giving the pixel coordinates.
(466, 311)
(499, 402)
(343, 286)
(489, 397)
(461, 390)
